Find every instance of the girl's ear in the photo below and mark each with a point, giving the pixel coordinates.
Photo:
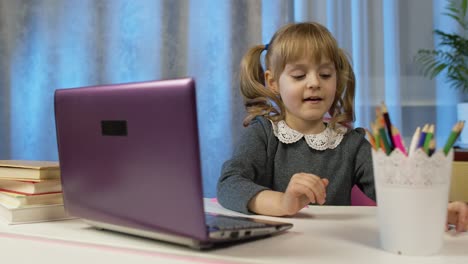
(271, 83)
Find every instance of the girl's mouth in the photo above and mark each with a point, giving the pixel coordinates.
(313, 99)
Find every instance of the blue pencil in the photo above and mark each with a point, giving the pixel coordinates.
(422, 137)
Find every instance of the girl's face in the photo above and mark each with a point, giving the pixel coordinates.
(307, 90)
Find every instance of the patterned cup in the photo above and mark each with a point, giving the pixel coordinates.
(412, 198)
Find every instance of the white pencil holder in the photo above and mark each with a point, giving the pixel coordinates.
(412, 198)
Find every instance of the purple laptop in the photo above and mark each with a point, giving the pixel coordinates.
(130, 162)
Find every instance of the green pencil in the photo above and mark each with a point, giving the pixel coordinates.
(383, 136)
(456, 130)
(427, 140)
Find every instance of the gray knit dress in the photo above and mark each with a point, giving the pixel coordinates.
(262, 162)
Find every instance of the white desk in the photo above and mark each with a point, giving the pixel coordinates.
(320, 235)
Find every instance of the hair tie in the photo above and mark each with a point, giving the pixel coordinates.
(266, 46)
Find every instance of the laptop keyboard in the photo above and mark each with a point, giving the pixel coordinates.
(220, 222)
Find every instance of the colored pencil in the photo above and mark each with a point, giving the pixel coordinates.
(382, 145)
(371, 139)
(378, 113)
(422, 136)
(388, 124)
(456, 130)
(432, 146)
(385, 141)
(375, 131)
(398, 141)
(427, 140)
(462, 125)
(414, 141)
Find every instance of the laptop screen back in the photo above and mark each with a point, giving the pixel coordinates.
(129, 155)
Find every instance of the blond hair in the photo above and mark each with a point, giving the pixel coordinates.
(289, 44)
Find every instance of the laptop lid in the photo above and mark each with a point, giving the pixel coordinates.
(129, 155)
(130, 162)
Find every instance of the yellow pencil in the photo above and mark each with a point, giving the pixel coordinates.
(432, 146)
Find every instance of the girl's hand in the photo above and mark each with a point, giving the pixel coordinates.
(458, 215)
(303, 188)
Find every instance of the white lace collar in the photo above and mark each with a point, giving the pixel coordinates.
(328, 139)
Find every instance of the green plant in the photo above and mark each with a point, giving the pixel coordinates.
(452, 51)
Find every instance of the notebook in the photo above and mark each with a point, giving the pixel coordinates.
(130, 162)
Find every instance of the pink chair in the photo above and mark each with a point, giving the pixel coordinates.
(358, 198)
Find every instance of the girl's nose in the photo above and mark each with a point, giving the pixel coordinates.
(313, 81)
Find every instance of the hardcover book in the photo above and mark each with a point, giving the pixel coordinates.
(459, 184)
(31, 214)
(460, 154)
(29, 169)
(30, 187)
(17, 200)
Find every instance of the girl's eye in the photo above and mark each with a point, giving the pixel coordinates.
(298, 76)
(325, 76)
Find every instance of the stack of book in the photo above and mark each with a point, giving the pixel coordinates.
(30, 191)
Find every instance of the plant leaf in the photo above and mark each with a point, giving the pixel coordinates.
(451, 54)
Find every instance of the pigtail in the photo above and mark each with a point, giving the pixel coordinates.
(342, 110)
(257, 98)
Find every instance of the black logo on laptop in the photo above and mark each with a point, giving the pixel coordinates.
(114, 127)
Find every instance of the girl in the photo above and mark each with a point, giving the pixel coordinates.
(298, 147)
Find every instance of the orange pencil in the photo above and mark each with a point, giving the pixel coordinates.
(375, 131)
(371, 139)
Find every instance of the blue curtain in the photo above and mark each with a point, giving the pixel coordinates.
(53, 44)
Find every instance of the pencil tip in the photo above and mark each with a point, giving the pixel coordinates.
(459, 126)
(384, 107)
